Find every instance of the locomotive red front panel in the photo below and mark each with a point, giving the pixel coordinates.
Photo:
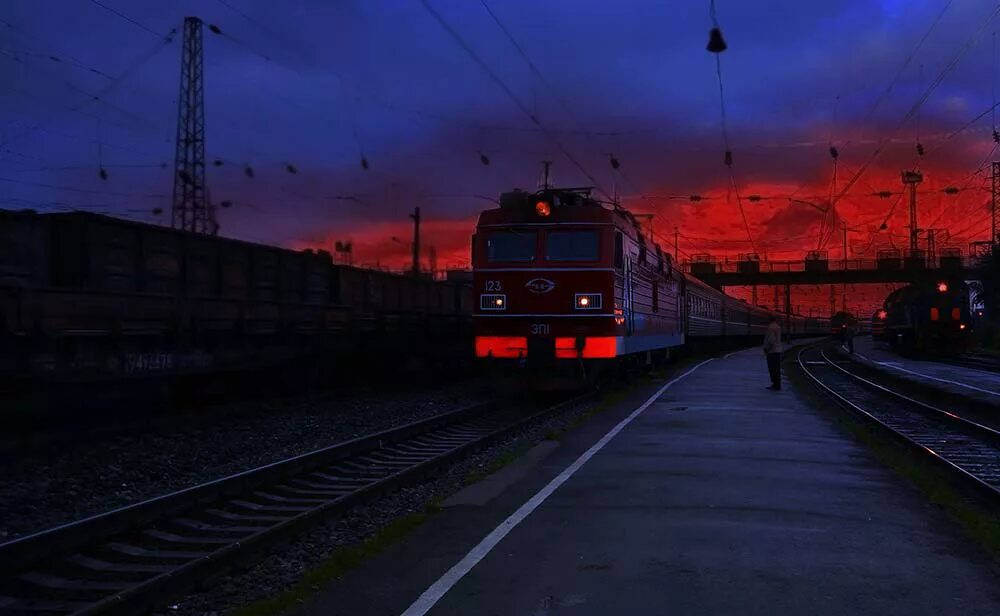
(539, 302)
(559, 276)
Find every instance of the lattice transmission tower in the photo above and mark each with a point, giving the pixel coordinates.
(191, 208)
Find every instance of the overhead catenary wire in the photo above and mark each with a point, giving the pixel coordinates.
(920, 101)
(132, 21)
(510, 94)
(99, 95)
(58, 54)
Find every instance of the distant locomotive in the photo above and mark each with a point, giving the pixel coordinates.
(878, 324)
(929, 317)
(562, 279)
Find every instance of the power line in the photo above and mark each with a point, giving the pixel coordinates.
(126, 18)
(906, 62)
(510, 94)
(920, 101)
(79, 190)
(115, 82)
(24, 33)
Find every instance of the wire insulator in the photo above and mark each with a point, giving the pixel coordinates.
(754, 198)
(484, 159)
(217, 162)
(215, 29)
(834, 153)
(695, 198)
(364, 163)
(920, 149)
(728, 158)
(716, 43)
(248, 170)
(290, 168)
(950, 190)
(996, 136)
(883, 194)
(103, 173)
(614, 163)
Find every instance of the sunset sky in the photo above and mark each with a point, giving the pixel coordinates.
(318, 84)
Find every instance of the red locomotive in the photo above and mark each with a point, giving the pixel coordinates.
(560, 276)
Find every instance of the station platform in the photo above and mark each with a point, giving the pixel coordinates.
(715, 496)
(982, 386)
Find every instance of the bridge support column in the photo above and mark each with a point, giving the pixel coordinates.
(788, 299)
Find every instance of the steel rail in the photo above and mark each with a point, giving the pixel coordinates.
(969, 449)
(132, 558)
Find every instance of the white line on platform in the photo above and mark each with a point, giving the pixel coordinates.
(438, 589)
(896, 366)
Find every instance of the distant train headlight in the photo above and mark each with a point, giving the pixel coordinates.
(961, 326)
(492, 301)
(942, 287)
(587, 301)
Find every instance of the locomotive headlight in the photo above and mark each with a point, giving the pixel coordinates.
(587, 301)
(961, 326)
(493, 301)
(942, 287)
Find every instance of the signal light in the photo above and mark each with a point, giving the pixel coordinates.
(942, 287)
(961, 326)
(543, 208)
(882, 314)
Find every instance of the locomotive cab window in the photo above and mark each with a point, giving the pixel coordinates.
(572, 246)
(619, 250)
(518, 246)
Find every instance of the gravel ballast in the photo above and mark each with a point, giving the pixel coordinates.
(285, 566)
(51, 487)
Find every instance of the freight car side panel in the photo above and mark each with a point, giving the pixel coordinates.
(264, 273)
(24, 258)
(234, 266)
(161, 262)
(202, 267)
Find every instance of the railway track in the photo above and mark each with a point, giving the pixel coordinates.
(976, 362)
(970, 449)
(130, 559)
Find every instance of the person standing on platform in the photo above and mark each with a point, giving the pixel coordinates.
(772, 350)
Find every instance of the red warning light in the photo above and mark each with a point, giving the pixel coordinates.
(942, 287)
(882, 314)
(542, 208)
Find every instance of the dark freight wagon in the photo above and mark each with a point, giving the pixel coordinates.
(90, 297)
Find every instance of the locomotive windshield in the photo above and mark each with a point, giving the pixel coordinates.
(511, 246)
(572, 246)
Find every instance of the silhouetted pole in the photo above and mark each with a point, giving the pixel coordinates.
(844, 289)
(912, 178)
(677, 255)
(416, 240)
(993, 204)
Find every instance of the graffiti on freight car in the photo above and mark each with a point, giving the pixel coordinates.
(151, 362)
(148, 362)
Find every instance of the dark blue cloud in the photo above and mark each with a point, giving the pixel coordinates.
(317, 83)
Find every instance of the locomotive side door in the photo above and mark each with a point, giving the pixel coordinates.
(628, 295)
